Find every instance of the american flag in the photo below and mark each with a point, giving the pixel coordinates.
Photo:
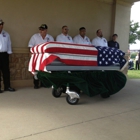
(108, 56)
(73, 54)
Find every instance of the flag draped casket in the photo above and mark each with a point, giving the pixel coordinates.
(91, 82)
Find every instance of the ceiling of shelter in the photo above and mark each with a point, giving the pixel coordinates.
(131, 1)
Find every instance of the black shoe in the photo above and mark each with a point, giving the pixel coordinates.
(9, 89)
(36, 87)
(105, 95)
(0, 91)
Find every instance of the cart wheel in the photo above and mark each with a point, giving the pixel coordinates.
(57, 92)
(72, 101)
(105, 95)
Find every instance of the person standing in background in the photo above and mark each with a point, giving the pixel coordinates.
(137, 61)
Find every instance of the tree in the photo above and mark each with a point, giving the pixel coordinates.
(134, 32)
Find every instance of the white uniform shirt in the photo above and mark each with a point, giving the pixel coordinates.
(98, 41)
(64, 38)
(137, 57)
(37, 39)
(80, 40)
(5, 42)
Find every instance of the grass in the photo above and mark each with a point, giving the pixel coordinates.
(133, 74)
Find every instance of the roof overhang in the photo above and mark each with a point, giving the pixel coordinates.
(131, 1)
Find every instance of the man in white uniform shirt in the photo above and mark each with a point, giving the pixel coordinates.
(39, 38)
(82, 38)
(99, 40)
(64, 37)
(5, 50)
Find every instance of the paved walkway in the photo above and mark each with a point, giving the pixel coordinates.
(29, 114)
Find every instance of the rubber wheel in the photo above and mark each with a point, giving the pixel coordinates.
(105, 95)
(57, 92)
(72, 101)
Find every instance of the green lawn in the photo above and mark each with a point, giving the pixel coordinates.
(133, 74)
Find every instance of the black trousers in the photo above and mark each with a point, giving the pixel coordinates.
(137, 65)
(0, 79)
(4, 69)
(35, 81)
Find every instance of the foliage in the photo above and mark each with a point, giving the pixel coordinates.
(133, 55)
(134, 32)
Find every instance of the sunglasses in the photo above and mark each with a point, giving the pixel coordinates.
(1, 23)
(66, 29)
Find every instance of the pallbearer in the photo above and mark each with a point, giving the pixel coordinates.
(39, 38)
(64, 37)
(82, 38)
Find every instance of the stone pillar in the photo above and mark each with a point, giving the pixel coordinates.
(121, 22)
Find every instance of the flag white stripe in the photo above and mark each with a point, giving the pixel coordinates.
(72, 57)
(61, 46)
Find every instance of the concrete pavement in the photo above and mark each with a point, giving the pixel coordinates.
(30, 114)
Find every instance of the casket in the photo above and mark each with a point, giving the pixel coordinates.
(71, 68)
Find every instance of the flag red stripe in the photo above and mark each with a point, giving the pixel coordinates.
(34, 62)
(71, 50)
(47, 61)
(51, 58)
(79, 62)
(46, 53)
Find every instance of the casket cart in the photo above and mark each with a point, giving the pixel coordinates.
(66, 76)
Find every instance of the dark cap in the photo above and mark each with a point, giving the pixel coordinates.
(82, 28)
(43, 26)
(1, 21)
